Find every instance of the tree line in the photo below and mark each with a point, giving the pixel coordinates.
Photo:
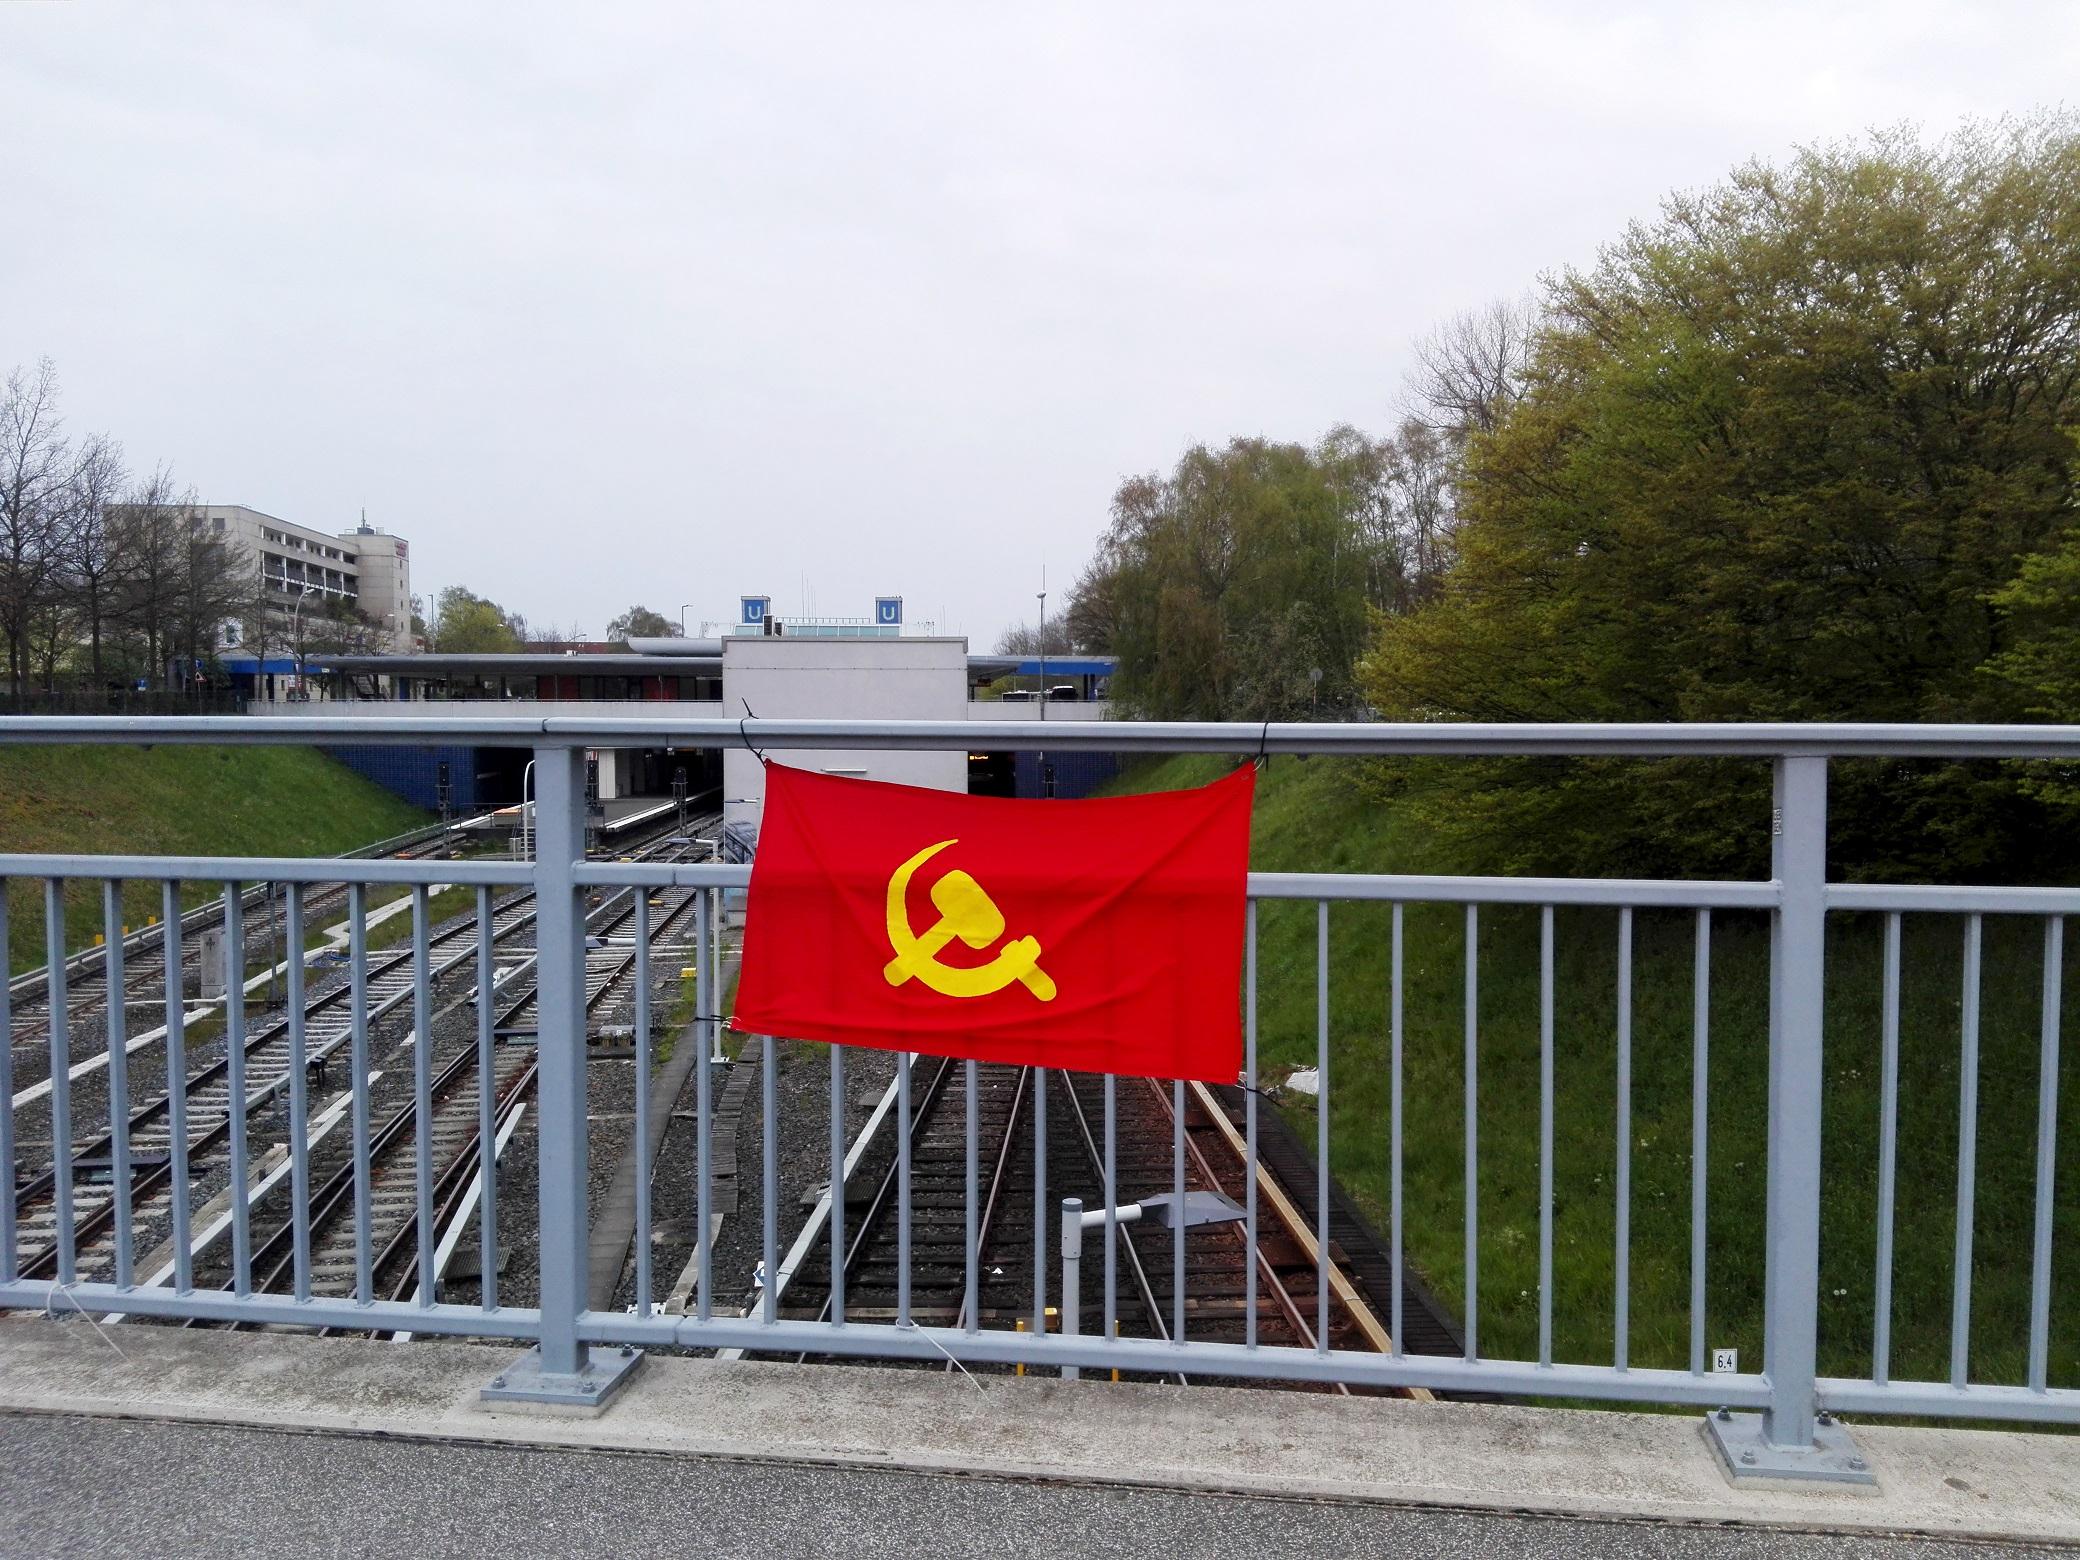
(1243, 583)
(1800, 447)
(110, 577)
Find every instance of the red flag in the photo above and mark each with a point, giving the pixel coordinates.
(1103, 935)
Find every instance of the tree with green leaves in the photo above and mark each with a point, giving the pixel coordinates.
(641, 623)
(1800, 449)
(464, 623)
(1237, 586)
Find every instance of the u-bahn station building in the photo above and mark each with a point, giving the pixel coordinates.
(827, 668)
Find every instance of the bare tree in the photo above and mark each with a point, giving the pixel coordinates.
(33, 470)
(93, 555)
(152, 526)
(1471, 369)
(215, 588)
(1029, 639)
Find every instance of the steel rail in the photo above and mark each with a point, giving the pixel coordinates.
(334, 1199)
(1125, 1233)
(1295, 1229)
(95, 1222)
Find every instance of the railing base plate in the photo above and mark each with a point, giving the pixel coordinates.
(1747, 1458)
(605, 1369)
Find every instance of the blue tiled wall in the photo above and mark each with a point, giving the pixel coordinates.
(1075, 774)
(414, 773)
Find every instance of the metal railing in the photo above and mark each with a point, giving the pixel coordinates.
(53, 1254)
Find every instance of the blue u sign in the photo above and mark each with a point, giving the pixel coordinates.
(888, 610)
(754, 608)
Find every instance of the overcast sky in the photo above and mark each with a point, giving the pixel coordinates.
(669, 303)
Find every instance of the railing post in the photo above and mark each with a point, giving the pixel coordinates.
(560, 1369)
(1790, 1439)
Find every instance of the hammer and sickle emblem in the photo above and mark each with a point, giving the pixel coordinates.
(965, 911)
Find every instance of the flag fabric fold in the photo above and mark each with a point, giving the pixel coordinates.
(1102, 935)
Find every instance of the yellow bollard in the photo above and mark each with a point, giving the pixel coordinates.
(1020, 1368)
(97, 939)
(151, 920)
(1115, 1334)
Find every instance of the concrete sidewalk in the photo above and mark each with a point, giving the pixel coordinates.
(861, 1457)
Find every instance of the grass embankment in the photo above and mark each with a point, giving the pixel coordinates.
(203, 801)
(1311, 816)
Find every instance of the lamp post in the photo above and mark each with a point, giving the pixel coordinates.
(1043, 652)
(682, 617)
(526, 817)
(1166, 1212)
(296, 631)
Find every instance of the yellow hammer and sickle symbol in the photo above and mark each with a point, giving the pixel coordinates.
(966, 912)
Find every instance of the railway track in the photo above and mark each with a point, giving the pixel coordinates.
(142, 962)
(977, 1187)
(369, 1243)
(70, 1228)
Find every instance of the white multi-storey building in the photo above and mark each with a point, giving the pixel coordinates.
(367, 569)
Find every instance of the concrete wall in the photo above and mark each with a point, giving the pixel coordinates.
(844, 679)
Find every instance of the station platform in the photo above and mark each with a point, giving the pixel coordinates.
(130, 1439)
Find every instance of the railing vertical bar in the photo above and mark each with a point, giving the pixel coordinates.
(1798, 987)
(1545, 1134)
(60, 1075)
(903, 1112)
(1321, 1125)
(1888, 1153)
(769, 1174)
(357, 1050)
(1393, 1133)
(1177, 1230)
(299, 1102)
(837, 1192)
(171, 951)
(235, 1078)
(1249, 1122)
(1111, 1205)
(1472, 1132)
(1039, 1322)
(1622, 1278)
(8, 1259)
(1700, 1080)
(422, 1087)
(972, 1205)
(1967, 1155)
(487, 1109)
(708, 1004)
(641, 1134)
(118, 1074)
(2047, 1153)
(562, 1138)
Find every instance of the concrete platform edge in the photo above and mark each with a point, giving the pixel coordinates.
(1605, 1466)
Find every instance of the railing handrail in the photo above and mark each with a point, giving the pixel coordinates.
(1775, 739)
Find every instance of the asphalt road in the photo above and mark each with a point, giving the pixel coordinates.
(92, 1487)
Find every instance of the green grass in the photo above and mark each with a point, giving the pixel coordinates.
(174, 801)
(1312, 816)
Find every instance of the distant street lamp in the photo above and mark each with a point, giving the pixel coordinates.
(1167, 1212)
(682, 617)
(1043, 652)
(296, 632)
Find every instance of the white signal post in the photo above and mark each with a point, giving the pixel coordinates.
(1168, 1211)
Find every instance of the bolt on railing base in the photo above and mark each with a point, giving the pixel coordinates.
(1747, 1458)
(605, 1369)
